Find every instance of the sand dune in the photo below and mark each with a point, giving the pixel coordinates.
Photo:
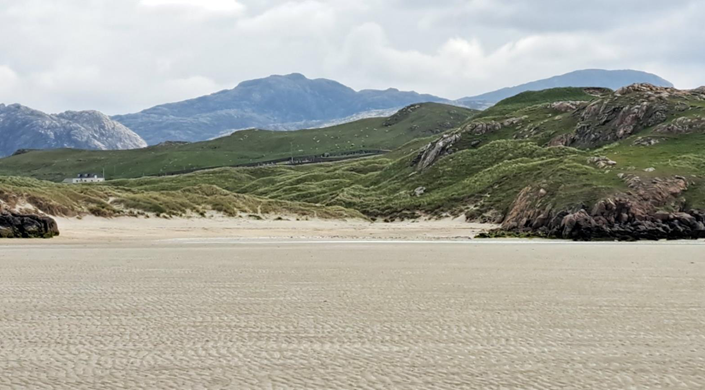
(155, 314)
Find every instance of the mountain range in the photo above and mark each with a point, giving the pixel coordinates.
(290, 102)
(25, 128)
(295, 102)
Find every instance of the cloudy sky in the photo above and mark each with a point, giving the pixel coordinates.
(124, 56)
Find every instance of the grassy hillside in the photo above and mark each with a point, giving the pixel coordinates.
(242, 147)
(478, 168)
(26, 194)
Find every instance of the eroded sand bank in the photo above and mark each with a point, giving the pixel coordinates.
(195, 313)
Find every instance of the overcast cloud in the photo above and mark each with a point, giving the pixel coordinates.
(124, 56)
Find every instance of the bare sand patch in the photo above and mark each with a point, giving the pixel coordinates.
(141, 229)
(358, 315)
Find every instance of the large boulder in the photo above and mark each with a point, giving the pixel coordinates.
(13, 225)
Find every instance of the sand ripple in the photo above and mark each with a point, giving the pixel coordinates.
(343, 316)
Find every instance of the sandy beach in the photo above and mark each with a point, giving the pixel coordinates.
(137, 304)
(90, 229)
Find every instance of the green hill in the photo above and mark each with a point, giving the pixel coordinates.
(242, 147)
(603, 165)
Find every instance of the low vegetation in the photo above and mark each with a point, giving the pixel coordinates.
(242, 147)
(30, 195)
(476, 168)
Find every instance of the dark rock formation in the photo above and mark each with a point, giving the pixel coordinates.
(14, 225)
(636, 215)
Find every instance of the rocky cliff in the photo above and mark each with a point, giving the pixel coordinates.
(25, 128)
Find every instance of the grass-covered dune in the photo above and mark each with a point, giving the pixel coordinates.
(242, 147)
(32, 195)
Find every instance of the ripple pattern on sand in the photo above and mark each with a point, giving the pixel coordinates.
(338, 316)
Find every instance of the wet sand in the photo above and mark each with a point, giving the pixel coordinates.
(172, 312)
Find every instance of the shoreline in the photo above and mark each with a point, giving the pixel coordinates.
(221, 230)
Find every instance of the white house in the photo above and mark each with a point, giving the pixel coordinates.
(85, 178)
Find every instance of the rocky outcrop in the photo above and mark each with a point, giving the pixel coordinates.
(433, 151)
(401, 115)
(622, 114)
(482, 128)
(565, 106)
(13, 225)
(429, 154)
(646, 141)
(682, 125)
(601, 162)
(24, 128)
(644, 88)
(635, 215)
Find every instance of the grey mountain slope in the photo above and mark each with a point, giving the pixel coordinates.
(277, 102)
(25, 128)
(612, 79)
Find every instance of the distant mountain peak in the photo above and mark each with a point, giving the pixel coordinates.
(277, 102)
(612, 79)
(296, 76)
(23, 127)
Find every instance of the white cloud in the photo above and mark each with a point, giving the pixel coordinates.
(179, 89)
(208, 5)
(304, 18)
(123, 56)
(9, 80)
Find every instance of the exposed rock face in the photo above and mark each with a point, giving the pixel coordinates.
(683, 125)
(646, 141)
(14, 225)
(601, 162)
(433, 151)
(481, 128)
(429, 154)
(567, 106)
(24, 128)
(630, 216)
(622, 114)
(643, 87)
